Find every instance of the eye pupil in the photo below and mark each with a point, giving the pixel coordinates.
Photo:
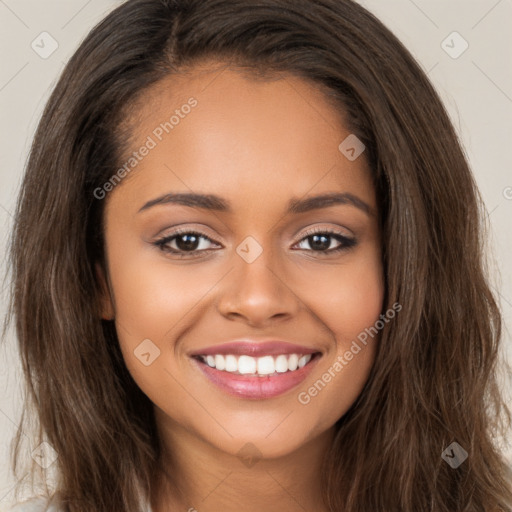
(320, 242)
(187, 242)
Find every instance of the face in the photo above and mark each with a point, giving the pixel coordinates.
(243, 261)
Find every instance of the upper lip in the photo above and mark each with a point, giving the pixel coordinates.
(255, 348)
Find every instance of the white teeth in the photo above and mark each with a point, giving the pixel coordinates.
(266, 365)
(281, 364)
(293, 361)
(231, 364)
(220, 364)
(304, 360)
(246, 364)
(262, 366)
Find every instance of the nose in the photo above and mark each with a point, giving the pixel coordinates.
(257, 294)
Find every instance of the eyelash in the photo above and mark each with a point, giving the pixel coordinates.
(162, 243)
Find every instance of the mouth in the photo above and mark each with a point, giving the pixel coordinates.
(266, 366)
(256, 376)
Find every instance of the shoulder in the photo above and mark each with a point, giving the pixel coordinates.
(37, 505)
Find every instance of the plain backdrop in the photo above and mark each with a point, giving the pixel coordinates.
(471, 69)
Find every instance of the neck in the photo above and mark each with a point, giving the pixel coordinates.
(200, 477)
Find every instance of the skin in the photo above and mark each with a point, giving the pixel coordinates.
(257, 144)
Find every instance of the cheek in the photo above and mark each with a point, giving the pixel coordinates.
(357, 305)
(347, 298)
(152, 298)
(154, 303)
(349, 303)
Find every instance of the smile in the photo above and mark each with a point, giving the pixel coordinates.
(257, 366)
(256, 371)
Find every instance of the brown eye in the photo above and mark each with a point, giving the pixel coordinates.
(187, 242)
(323, 241)
(184, 242)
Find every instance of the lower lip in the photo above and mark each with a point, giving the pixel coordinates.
(255, 387)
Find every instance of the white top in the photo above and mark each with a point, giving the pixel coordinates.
(43, 505)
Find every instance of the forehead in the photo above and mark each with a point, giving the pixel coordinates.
(244, 133)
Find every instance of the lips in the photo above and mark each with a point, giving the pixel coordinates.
(256, 370)
(255, 349)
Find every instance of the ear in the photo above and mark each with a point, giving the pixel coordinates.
(106, 306)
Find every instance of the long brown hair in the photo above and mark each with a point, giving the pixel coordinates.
(434, 381)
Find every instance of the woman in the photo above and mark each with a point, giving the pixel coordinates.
(247, 271)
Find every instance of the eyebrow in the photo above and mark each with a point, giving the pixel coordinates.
(216, 203)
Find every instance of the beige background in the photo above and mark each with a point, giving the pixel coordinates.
(476, 88)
